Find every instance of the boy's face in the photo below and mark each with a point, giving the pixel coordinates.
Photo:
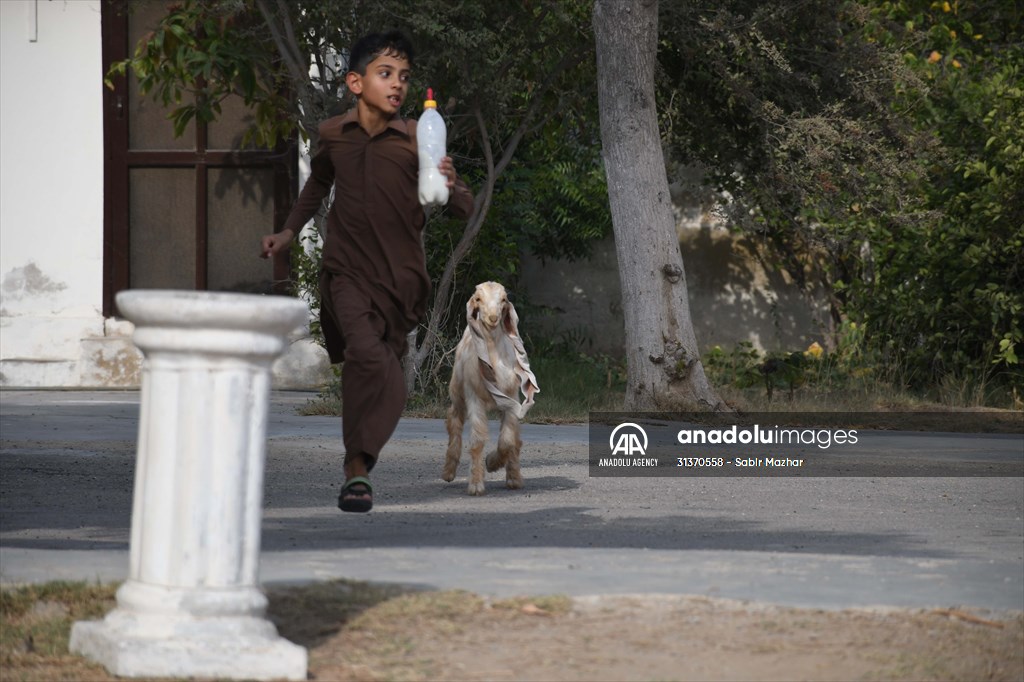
(385, 84)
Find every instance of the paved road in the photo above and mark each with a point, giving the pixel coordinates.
(67, 459)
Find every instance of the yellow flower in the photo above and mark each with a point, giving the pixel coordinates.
(814, 350)
(934, 56)
(956, 64)
(946, 7)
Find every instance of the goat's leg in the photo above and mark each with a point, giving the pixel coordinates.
(499, 456)
(454, 423)
(495, 460)
(509, 445)
(476, 414)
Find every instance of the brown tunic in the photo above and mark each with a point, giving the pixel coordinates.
(375, 224)
(373, 284)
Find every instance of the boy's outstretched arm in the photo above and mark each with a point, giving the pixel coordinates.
(317, 187)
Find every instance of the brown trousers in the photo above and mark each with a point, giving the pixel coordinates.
(372, 342)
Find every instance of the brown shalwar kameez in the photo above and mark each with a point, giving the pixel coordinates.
(374, 283)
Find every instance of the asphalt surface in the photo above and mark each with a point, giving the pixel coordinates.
(66, 473)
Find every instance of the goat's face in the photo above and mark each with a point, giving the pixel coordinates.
(490, 306)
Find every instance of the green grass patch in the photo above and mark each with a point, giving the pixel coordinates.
(571, 385)
(843, 379)
(815, 379)
(37, 622)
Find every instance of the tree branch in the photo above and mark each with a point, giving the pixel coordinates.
(524, 125)
(288, 48)
(482, 202)
(481, 205)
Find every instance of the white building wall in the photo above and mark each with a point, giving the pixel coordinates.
(52, 330)
(51, 189)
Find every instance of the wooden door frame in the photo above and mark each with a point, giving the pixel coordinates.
(118, 159)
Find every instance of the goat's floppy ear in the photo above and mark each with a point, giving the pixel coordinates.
(511, 320)
(472, 311)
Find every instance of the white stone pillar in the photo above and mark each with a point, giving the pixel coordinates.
(191, 606)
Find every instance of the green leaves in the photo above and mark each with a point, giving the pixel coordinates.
(555, 197)
(1007, 350)
(199, 54)
(883, 140)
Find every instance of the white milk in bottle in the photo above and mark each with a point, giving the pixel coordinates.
(431, 138)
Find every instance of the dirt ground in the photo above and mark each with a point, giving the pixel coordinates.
(355, 631)
(453, 636)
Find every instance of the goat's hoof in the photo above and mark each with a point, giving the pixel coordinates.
(476, 489)
(514, 483)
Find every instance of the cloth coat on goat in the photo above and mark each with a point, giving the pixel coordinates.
(490, 372)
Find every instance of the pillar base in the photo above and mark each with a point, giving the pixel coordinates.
(230, 648)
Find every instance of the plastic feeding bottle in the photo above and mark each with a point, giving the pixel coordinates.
(431, 138)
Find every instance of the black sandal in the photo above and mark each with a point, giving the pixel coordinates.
(356, 495)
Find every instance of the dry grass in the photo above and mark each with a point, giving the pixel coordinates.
(36, 624)
(359, 631)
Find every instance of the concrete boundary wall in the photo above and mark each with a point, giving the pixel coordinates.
(733, 297)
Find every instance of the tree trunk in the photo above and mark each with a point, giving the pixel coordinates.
(662, 358)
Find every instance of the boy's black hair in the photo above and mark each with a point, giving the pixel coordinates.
(373, 45)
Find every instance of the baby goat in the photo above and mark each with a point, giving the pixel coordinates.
(491, 368)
